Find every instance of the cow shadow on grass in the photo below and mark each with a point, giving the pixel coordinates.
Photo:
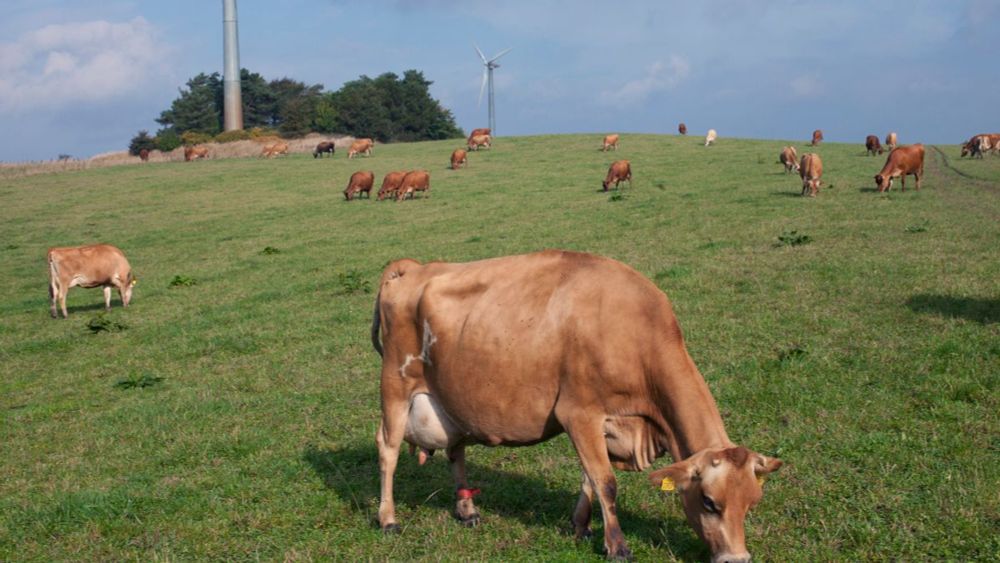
(787, 193)
(983, 311)
(352, 473)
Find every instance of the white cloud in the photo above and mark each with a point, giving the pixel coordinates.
(59, 65)
(659, 77)
(806, 86)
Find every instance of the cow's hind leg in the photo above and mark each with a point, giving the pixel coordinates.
(389, 438)
(53, 297)
(465, 508)
(584, 506)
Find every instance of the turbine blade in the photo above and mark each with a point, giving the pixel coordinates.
(481, 55)
(500, 54)
(481, 88)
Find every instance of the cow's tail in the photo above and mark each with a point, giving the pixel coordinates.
(377, 325)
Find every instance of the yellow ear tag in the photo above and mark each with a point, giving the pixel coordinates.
(760, 481)
(668, 484)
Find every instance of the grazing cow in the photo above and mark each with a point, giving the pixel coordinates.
(458, 158)
(817, 137)
(610, 142)
(361, 146)
(390, 183)
(479, 131)
(618, 172)
(515, 350)
(414, 181)
(904, 160)
(790, 158)
(682, 129)
(324, 147)
(890, 141)
(970, 146)
(88, 266)
(811, 170)
(872, 145)
(144, 155)
(981, 146)
(711, 137)
(360, 182)
(194, 153)
(479, 141)
(274, 149)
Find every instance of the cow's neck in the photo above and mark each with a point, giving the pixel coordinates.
(689, 409)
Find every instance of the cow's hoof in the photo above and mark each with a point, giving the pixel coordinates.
(392, 529)
(622, 553)
(470, 521)
(584, 534)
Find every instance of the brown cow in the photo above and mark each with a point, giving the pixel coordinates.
(682, 129)
(516, 350)
(414, 181)
(890, 140)
(194, 153)
(904, 160)
(610, 141)
(390, 183)
(872, 145)
(811, 170)
(618, 172)
(479, 131)
(790, 158)
(817, 138)
(980, 144)
(479, 141)
(361, 146)
(274, 149)
(144, 155)
(360, 182)
(88, 266)
(458, 158)
(325, 147)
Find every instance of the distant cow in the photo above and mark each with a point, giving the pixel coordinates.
(458, 158)
(194, 153)
(360, 182)
(902, 161)
(811, 170)
(390, 183)
(711, 137)
(978, 145)
(618, 172)
(817, 137)
(88, 266)
(479, 131)
(274, 149)
(682, 129)
(479, 141)
(610, 142)
(413, 182)
(873, 145)
(144, 155)
(325, 147)
(890, 140)
(970, 146)
(361, 146)
(790, 158)
(981, 146)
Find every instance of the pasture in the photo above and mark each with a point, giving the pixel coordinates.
(230, 412)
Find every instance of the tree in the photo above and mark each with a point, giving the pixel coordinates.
(199, 108)
(141, 141)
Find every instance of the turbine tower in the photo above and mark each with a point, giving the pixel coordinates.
(232, 104)
(488, 66)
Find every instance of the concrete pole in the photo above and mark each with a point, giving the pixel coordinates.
(232, 106)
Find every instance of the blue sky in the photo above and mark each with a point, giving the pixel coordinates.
(83, 77)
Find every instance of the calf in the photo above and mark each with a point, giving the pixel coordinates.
(610, 142)
(872, 145)
(144, 155)
(459, 158)
(618, 172)
(413, 182)
(902, 161)
(390, 183)
(890, 140)
(360, 182)
(811, 170)
(790, 158)
(88, 266)
(194, 153)
(817, 137)
(325, 147)
(682, 129)
(711, 137)
(479, 141)
(479, 131)
(361, 146)
(274, 149)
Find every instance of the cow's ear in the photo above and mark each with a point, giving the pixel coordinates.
(675, 477)
(764, 465)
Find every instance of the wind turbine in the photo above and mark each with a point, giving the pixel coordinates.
(488, 66)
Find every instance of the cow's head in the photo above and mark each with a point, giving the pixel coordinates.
(883, 182)
(718, 487)
(125, 292)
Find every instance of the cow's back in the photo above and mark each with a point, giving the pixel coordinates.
(95, 263)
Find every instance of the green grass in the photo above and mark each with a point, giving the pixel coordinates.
(233, 415)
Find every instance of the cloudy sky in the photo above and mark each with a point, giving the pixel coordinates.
(82, 78)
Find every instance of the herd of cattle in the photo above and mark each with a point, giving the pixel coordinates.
(445, 332)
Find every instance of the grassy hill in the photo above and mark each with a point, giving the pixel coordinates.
(855, 335)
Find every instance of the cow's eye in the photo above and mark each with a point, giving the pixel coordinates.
(709, 504)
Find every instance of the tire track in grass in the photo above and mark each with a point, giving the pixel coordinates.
(946, 164)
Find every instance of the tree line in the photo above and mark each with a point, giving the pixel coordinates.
(386, 108)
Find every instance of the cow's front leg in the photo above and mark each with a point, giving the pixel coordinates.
(584, 506)
(389, 438)
(465, 508)
(107, 298)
